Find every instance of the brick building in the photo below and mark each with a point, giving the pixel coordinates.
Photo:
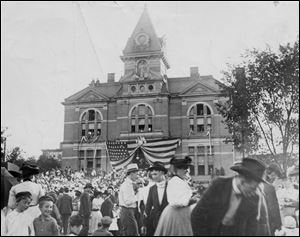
(53, 153)
(145, 102)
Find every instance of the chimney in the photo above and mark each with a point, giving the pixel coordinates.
(194, 72)
(110, 77)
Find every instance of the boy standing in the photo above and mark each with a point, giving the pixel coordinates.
(18, 222)
(75, 225)
(45, 224)
(103, 230)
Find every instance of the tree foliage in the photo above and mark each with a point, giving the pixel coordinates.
(3, 141)
(265, 103)
(47, 163)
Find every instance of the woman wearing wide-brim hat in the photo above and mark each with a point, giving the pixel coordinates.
(28, 171)
(175, 220)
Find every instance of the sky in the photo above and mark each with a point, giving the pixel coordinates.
(51, 50)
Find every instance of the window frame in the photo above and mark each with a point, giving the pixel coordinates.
(136, 116)
(86, 123)
(195, 118)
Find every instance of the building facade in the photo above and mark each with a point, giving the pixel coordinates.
(145, 102)
(53, 153)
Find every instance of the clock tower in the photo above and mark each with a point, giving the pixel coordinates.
(145, 63)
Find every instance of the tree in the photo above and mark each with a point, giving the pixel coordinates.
(3, 144)
(14, 155)
(47, 163)
(270, 97)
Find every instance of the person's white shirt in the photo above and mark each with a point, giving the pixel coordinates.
(97, 203)
(127, 197)
(143, 193)
(19, 224)
(160, 190)
(36, 191)
(179, 192)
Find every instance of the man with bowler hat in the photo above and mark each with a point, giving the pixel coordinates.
(157, 197)
(232, 206)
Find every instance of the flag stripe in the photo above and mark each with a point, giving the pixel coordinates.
(121, 153)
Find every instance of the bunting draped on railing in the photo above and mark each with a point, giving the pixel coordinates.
(122, 153)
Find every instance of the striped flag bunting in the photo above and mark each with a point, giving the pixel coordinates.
(122, 153)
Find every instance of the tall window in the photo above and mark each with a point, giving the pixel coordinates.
(91, 124)
(201, 160)
(192, 156)
(200, 118)
(141, 119)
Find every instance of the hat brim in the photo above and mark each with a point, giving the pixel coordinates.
(88, 187)
(133, 170)
(15, 174)
(158, 169)
(248, 173)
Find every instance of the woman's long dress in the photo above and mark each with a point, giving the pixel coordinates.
(95, 215)
(175, 220)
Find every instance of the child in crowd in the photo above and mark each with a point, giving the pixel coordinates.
(103, 230)
(18, 222)
(75, 225)
(45, 224)
(289, 227)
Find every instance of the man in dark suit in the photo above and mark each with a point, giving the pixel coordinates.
(271, 199)
(112, 195)
(232, 206)
(65, 207)
(107, 206)
(85, 208)
(157, 197)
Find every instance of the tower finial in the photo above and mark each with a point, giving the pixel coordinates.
(145, 6)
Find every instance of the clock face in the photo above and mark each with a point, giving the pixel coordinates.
(142, 39)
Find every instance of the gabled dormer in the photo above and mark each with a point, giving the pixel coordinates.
(144, 59)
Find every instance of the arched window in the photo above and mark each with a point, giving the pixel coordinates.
(91, 123)
(141, 119)
(200, 118)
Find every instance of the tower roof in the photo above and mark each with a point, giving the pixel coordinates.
(144, 38)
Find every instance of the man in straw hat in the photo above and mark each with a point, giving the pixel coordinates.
(231, 206)
(157, 197)
(128, 202)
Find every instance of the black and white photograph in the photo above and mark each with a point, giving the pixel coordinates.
(149, 118)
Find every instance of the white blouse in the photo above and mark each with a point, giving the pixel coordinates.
(36, 191)
(179, 192)
(97, 203)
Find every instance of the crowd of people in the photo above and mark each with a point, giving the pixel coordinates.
(153, 202)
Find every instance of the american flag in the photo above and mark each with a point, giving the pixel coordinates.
(118, 153)
(122, 153)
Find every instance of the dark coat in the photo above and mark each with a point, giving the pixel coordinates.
(85, 205)
(208, 214)
(107, 208)
(273, 208)
(7, 181)
(154, 209)
(65, 205)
